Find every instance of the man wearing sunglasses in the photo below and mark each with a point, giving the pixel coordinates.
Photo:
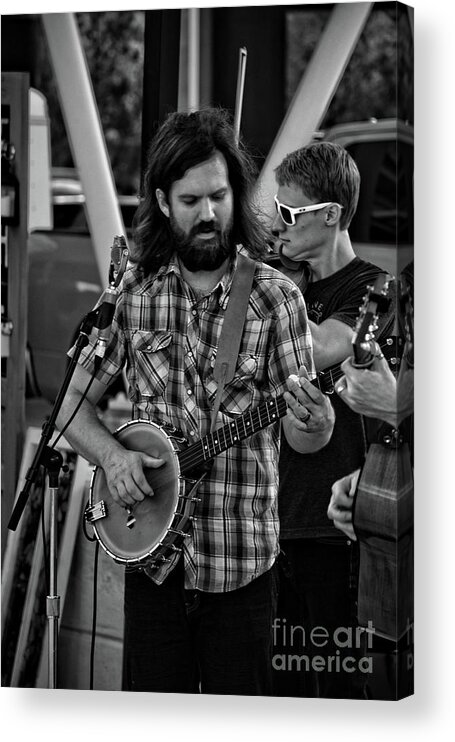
(318, 190)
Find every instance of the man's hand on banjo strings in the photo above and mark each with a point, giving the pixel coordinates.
(125, 476)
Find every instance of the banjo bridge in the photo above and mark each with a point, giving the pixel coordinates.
(131, 520)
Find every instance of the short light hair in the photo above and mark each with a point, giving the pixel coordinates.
(324, 171)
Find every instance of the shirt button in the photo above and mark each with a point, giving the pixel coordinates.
(189, 392)
(194, 312)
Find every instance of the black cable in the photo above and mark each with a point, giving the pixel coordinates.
(84, 525)
(94, 616)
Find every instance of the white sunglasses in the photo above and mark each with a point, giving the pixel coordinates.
(288, 213)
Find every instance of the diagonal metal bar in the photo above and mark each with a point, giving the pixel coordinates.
(85, 133)
(314, 92)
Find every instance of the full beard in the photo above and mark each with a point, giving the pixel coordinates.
(198, 254)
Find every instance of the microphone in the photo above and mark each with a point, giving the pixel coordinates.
(106, 309)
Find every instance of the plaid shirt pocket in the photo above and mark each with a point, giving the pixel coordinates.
(152, 356)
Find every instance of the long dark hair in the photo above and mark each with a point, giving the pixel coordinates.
(183, 141)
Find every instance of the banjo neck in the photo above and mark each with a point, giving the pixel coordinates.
(265, 414)
(229, 435)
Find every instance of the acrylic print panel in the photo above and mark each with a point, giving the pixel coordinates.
(270, 90)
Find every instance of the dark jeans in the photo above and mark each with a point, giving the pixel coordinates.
(318, 589)
(184, 641)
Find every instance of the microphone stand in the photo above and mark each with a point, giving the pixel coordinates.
(52, 461)
(49, 457)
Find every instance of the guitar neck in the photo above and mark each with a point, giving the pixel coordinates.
(325, 381)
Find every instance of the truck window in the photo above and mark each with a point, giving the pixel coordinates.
(385, 213)
(70, 217)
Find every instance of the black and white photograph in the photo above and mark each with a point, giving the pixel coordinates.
(208, 352)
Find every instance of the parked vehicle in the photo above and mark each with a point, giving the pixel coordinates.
(63, 274)
(382, 230)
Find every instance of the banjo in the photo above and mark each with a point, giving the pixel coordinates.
(154, 530)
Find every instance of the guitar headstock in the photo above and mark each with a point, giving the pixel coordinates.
(376, 302)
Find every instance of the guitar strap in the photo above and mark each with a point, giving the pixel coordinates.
(232, 328)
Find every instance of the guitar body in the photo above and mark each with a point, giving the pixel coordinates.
(154, 529)
(383, 518)
(383, 521)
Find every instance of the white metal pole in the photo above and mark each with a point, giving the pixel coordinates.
(314, 92)
(85, 134)
(239, 93)
(193, 72)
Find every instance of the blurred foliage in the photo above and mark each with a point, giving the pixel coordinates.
(114, 48)
(368, 88)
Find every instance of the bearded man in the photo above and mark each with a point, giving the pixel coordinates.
(201, 620)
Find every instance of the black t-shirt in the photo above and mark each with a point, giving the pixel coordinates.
(306, 479)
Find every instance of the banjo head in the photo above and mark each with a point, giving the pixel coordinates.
(132, 544)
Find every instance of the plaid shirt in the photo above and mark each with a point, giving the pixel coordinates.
(168, 339)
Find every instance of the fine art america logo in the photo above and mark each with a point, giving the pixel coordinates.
(345, 649)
